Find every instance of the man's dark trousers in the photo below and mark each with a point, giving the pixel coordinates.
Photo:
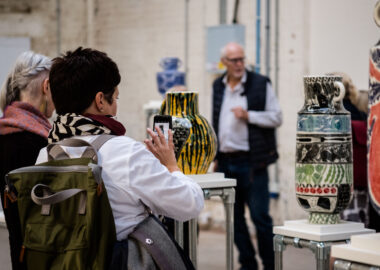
(251, 189)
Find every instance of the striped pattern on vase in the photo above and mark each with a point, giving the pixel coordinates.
(200, 148)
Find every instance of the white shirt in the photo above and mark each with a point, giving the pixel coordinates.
(233, 132)
(131, 173)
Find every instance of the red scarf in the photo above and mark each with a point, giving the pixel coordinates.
(116, 127)
(21, 116)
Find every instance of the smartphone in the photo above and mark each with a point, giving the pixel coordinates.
(164, 122)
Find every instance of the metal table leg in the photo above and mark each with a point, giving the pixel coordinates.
(321, 250)
(229, 200)
(193, 241)
(228, 197)
(279, 247)
(342, 265)
(322, 254)
(346, 265)
(178, 232)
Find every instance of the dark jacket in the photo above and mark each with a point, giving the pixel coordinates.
(355, 113)
(359, 147)
(359, 144)
(16, 150)
(262, 141)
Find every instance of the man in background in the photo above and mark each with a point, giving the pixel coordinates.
(245, 115)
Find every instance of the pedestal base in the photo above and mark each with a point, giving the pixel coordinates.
(317, 232)
(363, 249)
(318, 238)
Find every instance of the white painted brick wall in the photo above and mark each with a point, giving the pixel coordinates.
(38, 23)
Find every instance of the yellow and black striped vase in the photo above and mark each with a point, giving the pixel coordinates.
(200, 147)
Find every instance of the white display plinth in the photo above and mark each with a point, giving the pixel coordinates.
(212, 180)
(213, 184)
(152, 105)
(363, 249)
(317, 232)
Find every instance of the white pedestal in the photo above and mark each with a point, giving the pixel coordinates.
(212, 184)
(363, 249)
(316, 232)
(212, 180)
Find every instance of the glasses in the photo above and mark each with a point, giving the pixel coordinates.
(235, 60)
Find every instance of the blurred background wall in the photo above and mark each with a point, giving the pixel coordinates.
(297, 38)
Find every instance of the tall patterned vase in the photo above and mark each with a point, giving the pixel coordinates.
(200, 147)
(171, 76)
(324, 174)
(374, 128)
(373, 120)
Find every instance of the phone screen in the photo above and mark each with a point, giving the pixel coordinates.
(164, 122)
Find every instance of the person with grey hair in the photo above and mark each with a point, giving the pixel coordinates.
(245, 115)
(27, 104)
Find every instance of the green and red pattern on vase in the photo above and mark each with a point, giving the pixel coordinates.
(200, 147)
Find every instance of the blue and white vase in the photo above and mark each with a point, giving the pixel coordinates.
(170, 76)
(324, 172)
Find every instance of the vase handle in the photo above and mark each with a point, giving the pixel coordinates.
(342, 91)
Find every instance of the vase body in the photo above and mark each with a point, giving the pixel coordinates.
(374, 129)
(199, 149)
(324, 172)
(170, 76)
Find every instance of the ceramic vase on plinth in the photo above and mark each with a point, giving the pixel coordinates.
(171, 76)
(324, 172)
(374, 128)
(199, 149)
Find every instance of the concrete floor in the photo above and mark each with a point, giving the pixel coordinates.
(5, 259)
(211, 253)
(212, 250)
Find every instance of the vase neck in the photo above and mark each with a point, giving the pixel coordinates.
(182, 103)
(322, 94)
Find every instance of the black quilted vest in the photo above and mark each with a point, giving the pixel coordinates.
(262, 141)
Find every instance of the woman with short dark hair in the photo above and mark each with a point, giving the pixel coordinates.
(84, 86)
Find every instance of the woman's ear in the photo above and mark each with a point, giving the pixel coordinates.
(45, 86)
(99, 101)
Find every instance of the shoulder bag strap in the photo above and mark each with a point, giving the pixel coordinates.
(152, 235)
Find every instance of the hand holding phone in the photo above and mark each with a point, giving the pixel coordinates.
(161, 144)
(164, 122)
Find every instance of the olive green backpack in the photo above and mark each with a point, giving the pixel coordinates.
(66, 219)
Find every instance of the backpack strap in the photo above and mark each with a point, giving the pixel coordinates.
(56, 152)
(49, 197)
(96, 145)
(102, 139)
